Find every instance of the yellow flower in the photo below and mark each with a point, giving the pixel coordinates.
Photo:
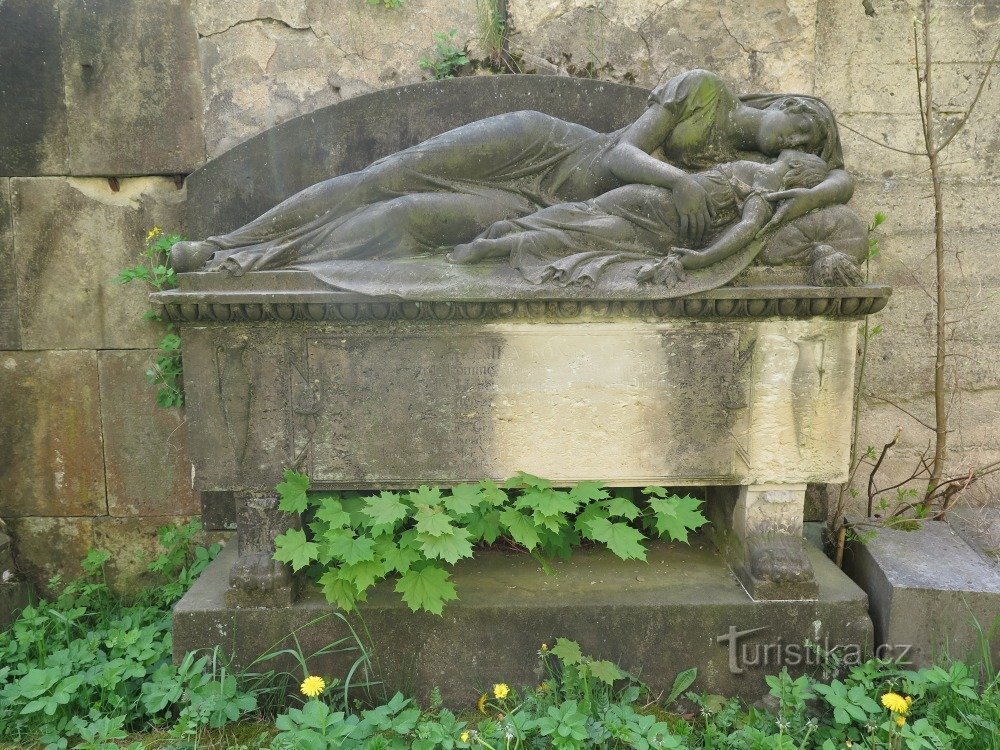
(464, 737)
(153, 233)
(895, 703)
(500, 691)
(481, 703)
(900, 721)
(312, 686)
(545, 647)
(909, 700)
(543, 687)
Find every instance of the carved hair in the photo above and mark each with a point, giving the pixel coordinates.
(811, 110)
(806, 171)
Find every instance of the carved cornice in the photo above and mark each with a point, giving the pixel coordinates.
(330, 307)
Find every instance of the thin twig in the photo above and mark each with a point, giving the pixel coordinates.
(975, 100)
(907, 413)
(881, 458)
(879, 143)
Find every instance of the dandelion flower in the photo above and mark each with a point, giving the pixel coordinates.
(900, 721)
(909, 700)
(312, 686)
(543, 687)
(500, 691)
(545, 647)
(153, 233)
(464, 737)
(481, 703)
(895, 703)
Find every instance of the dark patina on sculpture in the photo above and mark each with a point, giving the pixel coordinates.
(566, 205)
(685, 284)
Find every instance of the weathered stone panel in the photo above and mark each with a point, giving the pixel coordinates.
(762, 46)
(32, 111)
(266, 62)
(145, 446)
(73, 236)
(133, 543)
(50, 435)
(10, 324)
(48, 547)
(133, 93)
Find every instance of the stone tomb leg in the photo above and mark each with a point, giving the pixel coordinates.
(256, 578)
(759, 530)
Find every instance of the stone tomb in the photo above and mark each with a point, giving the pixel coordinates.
(743, 390)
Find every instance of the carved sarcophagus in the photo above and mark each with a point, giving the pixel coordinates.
(579, 280)
(739, 388)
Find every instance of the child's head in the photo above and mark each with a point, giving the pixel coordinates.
(804, 170)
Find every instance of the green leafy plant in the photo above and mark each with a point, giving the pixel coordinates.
(448, 56)
(84, 664)
(391, 4)
(166, 372)
(350, 542)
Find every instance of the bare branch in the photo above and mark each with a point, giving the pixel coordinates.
(910, 414)
(879, 143)
(972, 105)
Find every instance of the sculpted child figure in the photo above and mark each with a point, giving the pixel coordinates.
(573, 243)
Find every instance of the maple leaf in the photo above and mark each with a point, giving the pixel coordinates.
(619, 506)
(448, 547)
(492, 493)
(398, 558)
(588, 492)
(463, 499)
(677, 516)
(292, 547)
(547, 502)
(520, 527)
(428, 589)
(433, 520)
(568, 651)
(485, 526)
(364, 574)
(292, 492)
(337, 590)
(620, 538)
(386, 509)
(605, 671)
(523, 479)
(332, 512)
(424, 495)
(588, 514)
(349, 548)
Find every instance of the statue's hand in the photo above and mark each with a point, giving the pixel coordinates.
(800, 202)
(683, 252)
(691, 201)
(665, 272)
(785, 195)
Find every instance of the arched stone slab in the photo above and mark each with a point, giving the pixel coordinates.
(259, 173)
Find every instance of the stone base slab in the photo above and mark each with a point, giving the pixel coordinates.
(927, 588)
(678, 610)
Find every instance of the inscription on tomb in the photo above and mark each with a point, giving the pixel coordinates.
(626, 404)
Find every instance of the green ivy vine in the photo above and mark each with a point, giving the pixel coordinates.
(152, 270)
(350, 542)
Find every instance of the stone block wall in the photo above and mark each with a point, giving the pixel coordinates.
(106, 105)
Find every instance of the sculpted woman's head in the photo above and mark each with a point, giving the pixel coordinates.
(792, 122)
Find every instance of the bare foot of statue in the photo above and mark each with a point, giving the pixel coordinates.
(190, 256)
